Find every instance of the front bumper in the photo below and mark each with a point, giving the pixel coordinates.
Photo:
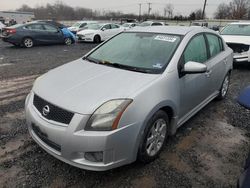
(73, 142)
(244, 57)
(83, 38)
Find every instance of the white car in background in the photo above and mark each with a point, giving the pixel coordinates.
(99, 32)
(78, 26)
(1, 26)
(151, 23)
(237, 37)
(128, 26)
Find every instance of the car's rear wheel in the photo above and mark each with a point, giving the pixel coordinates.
(224, 87)
(68, 41)
(154, 137)
(97, 39)
(28, 42)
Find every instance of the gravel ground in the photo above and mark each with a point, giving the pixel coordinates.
(208, 151)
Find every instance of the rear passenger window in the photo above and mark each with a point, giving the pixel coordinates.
(35, 27)
(196, 50)
(221, 44)
(113, 26)
(156, 24)
(50, 28)
(214, 44)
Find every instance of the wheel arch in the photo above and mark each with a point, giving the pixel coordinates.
(170, 109)
(34, 41)
(97, 34)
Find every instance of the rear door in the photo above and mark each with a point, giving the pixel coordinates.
(53, 34)
(37, 32)
(217, 61)
(115, 29)
(106, 32)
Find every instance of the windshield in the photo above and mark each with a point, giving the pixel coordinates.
(94, 26)
(142, 52)
(236, 29)
(144, 24)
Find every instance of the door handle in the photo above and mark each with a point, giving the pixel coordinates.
(225, 61)
(208, 73)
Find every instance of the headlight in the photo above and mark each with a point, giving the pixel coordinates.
(108, 115)
(89, 33)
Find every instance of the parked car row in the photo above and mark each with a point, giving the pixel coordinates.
(97, 32)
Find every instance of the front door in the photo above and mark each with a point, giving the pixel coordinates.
(194, 88)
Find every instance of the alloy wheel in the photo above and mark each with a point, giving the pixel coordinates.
(156, 137)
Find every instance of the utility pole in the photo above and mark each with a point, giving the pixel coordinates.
(149, 8)
(204, 9)
(140, 11)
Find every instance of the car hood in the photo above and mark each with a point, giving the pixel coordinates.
(87, 31)
(82, 86)
(236, 39)
(72, 28)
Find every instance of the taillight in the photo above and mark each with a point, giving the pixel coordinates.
(10, 31)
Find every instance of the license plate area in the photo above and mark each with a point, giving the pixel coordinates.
(44, 137)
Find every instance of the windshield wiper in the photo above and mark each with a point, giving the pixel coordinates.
(117, 65)
(126, 67)
(92, 60)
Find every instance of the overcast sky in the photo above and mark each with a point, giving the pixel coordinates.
(183, 7)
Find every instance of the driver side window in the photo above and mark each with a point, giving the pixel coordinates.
(196, 50)
(107, 26)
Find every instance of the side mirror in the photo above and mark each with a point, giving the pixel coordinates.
(192, 67)
(103, 29)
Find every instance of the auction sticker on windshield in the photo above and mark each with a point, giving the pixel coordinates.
(165, 38)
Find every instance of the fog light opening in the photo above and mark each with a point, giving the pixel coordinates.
(94, 156)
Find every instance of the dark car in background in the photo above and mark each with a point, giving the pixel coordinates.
(244, 100)
(36, 33)
(52, 22)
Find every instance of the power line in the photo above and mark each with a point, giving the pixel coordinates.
(204, 9)
(140, 11)
(149, 8)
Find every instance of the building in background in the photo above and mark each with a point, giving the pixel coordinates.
(10, 17)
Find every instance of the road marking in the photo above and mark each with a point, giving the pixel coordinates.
(5, 64)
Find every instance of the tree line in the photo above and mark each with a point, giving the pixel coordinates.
(61, 11)
(234, 9)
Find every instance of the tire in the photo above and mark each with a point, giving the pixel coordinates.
(97, 39)
(224, 87)
(68, 41)
(28, 42)
(154, 137)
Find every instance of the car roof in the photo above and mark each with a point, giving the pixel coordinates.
(177, 30)
(240, 23)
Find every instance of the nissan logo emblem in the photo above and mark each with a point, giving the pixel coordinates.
(46, 110)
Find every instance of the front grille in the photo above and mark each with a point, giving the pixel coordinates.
(238, 48)
(45, 139)
(52, 112)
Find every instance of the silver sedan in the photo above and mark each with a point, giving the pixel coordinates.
(122, 100)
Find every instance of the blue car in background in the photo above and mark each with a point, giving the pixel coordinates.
(244, 100)
(37, 33)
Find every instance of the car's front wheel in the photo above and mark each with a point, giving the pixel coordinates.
(154, 137)
(68, 41)
(224, 87)
(28, 42)
(97, 39)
